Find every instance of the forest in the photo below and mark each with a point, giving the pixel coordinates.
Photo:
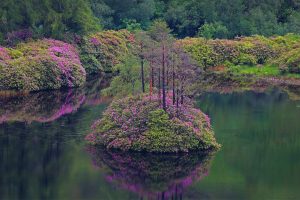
(207, 18)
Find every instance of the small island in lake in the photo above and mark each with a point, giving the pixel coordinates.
(139, 123)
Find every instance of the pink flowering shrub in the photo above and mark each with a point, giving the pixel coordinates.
(139, 123)
(39, 65)
(151, 175)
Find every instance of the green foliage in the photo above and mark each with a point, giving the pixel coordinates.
(159, 30)
(200, 51)
(248, 51)
(138, 123)
(128, 80)
(263, 71)
(209, 18)
(40, 65)
(132, 25)
(102, 50)
(246, 59)
(240, 17)
(49, 18)
(290, 61)
(213, 31)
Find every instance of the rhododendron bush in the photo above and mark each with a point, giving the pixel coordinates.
(240, 51)
(102, 50)
(151, 175)
(139, 123)
(39, 65)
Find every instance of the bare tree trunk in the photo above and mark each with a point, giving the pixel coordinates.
(177, 101)
(181, 93)
(163, 77)
(167, 75)
(173, 81)
(152, 68)
(159, 85)
(152, 74)
(132, 83)
(142, 68)
(151, 79)
(142, 73)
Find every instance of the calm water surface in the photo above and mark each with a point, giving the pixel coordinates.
(43, 156)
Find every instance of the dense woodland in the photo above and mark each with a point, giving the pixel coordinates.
(207, 18)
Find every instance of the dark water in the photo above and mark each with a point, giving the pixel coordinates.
(43, 156)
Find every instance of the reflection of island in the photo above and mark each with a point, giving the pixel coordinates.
(47, 106)
(152, 176)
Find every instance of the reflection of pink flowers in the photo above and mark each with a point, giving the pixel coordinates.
(175, 187)
(3, 118)
(139, 173)
(67, 108)
(34, 108)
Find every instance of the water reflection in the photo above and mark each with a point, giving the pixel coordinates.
(48, 106)
(152, 176)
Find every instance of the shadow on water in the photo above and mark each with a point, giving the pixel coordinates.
(152, 176)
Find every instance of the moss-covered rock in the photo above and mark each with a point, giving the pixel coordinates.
(40, 65)
(139, 123)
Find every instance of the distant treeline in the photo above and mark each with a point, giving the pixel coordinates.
(207, 18)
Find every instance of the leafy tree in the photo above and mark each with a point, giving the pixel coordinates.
(128, 80)
(142, 11)
(50, 18)
(213, 31)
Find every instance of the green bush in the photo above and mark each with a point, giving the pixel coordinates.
(40, 65)
(290, 61)
(101, 51)
(245, 59)
(245, 51)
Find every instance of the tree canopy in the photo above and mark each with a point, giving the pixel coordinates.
(208, 18)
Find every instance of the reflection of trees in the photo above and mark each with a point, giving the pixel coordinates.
(153, 176)
(30, 161)
(48, 106)
(37, 160)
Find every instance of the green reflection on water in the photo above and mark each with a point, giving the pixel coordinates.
(260, 134)
(259, 159)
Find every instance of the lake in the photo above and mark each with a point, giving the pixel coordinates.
(43, 154)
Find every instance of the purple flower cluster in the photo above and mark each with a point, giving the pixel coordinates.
(95, 41)
(39, 65)
(65, 56)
